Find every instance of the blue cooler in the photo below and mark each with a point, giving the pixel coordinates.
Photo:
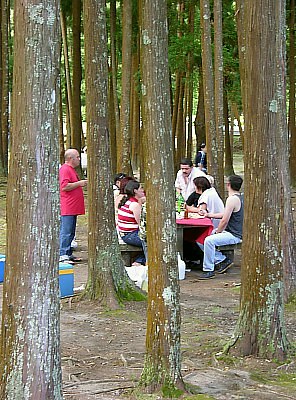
(2, 266)
(66, 279)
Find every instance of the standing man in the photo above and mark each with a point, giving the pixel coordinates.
(72, 203)
(184, 180)
(229, 231)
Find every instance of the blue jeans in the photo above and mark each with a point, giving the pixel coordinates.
(133, 239)
(67, 234)
(211, 255)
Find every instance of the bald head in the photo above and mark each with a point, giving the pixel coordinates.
(72, 157)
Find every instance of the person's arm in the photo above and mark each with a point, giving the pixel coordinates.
(136, 209)
(192, 209)
(73, 185)
(231, 202)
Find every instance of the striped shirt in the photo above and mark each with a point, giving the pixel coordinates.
(125, 218)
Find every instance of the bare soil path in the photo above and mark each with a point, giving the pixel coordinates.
(103, 352)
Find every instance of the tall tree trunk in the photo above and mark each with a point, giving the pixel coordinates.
(4, 86)
(228, 147)
(30, 341)
(162, 362)
(237, 116)
(135, 109)
(208, 82)
(68, 78)
(218, 84)
(107, 280)
(124, 149)
(268, 230)
(292, 98)
(77, 76)
(112, 126)
(199, 123)
(113, 61)
(189, 83)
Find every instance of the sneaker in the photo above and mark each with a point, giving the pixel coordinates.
(223, 266)
(207, 275)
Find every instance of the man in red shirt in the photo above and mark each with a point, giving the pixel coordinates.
(72, 203)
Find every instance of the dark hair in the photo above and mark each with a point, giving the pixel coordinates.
(202, 145)
(118, 177)
(186, 161)
(235, 181)
(202, 183)
(124, 181)
(130, 188)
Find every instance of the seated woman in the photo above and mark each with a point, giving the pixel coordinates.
(209, 201)
(128, 218)
(121, 193)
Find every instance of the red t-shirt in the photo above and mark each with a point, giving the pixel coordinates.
(72, 201)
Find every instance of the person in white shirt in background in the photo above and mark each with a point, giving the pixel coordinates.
(209, 201)
(185, 176)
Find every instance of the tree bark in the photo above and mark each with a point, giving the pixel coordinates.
(124, 149)
(199, 123)
(77, 76)
(68, 79)
(292, 98)
(162, 367)
(228, 148)
(218, 89)
(4, 85)
(114, 94)
(268, 230)
(30, 343)
(107, 281)
(208, 82)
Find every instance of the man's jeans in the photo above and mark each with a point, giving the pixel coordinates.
(67, 234)
(133, 239)
(211, 255)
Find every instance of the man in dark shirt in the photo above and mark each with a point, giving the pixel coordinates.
(229, 231)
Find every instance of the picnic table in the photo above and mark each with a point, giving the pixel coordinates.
(192, 230)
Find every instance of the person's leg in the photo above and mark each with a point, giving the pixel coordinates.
(211, 255)
(67, 233)
(133, 239)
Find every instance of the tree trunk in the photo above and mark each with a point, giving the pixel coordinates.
(208, 82)
(4, 86)
(199, 123)
(124, 149)
(107, 280)
(135, 112)
(218, 85)
(30, 343)
(162, 367)
(268, 229)
(77, 76)
(237, 116)
(228, 147)
(292, 119)
(68, 78)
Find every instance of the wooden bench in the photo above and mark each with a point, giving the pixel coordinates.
(129, 253)
(228, 249)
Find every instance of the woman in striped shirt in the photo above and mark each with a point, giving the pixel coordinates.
(128, 218)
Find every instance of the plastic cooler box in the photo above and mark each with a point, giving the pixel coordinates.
(66, 279)
(2, 266)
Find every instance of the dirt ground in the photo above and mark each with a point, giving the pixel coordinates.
(103, 352)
